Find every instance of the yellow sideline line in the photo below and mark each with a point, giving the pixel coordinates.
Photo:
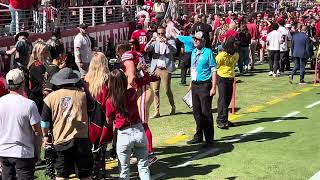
(253, 109)
(111, 164)
(175, 139)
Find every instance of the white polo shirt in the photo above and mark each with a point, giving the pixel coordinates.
(274, 39)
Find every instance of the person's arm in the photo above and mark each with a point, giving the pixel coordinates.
(213, 65)
(130, 73)
(11, 51)
(150, 45)
(35, 118)
(77, 54)
(172, 46)
(46, 122)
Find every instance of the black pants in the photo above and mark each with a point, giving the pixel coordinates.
(274, 60)
(225, 89)
(185, 65)
(202, 112)
(284, 61)
(22, 168)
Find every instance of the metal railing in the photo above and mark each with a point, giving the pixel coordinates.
(46, 18)
(210, 7)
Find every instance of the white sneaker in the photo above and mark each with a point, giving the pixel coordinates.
(278, 73)
(275, 75)
(270, 73)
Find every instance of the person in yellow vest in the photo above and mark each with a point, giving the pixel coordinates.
(226, 62)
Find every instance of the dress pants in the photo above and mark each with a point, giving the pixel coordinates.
(284, 61)
(185, 65)
(225, 89)
(165, 78)
(202, 112)
(274, 60)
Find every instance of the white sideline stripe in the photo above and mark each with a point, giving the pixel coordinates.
(313, 105)
(316, 176)
(287, 116)
(199, 156)
(245, 135)
(159, 175)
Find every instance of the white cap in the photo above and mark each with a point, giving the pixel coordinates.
(198, 35)
(288, 26)
(15, 77)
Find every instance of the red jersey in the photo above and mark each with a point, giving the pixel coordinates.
(140, 38)
(133, 116)
(22, 4)
(263, 33)
(230, 33)
(253, 30)
(149, 5)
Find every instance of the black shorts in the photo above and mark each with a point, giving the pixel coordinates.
(22, 168)
(76, 159)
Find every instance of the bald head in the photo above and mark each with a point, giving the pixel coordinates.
(232, 26)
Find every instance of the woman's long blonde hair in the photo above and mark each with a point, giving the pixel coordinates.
(37, 52)
(98, 72)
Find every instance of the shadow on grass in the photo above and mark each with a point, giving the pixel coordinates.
(266, 119)
(215, 110)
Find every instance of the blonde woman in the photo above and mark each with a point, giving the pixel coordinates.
(37, 71)
(96, 80)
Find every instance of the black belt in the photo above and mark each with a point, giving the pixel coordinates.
(227, 78)
(200, 82)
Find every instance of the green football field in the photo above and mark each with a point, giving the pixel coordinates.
(276, 136)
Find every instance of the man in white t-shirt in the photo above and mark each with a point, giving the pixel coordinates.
(274, 40)
(82, 49)
(284, 50)
(20, 137)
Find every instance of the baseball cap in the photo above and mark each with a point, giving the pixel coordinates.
(83, 26)
(15, 77)
(198, 35)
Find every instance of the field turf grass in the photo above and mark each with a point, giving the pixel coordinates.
(287, 150)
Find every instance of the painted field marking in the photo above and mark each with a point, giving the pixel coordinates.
(111, 164)
(306, 89)
(316, 176)
(258, 129)
(316, 85)
(290, 95)
(199, 156)
(233, 117)
(159, 175)
(292, 114)
(313, 105)
(275, 101)
(256, 108)
(175, 139)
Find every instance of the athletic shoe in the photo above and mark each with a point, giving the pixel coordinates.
(207, 145)
(152, 158)
(194, 141)
(275, 75)
(223, 126)
(290, 79)
(302, 82)
(230, 124)
(270, 73)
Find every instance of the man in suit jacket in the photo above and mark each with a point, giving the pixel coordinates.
(300, 53)
(163, 66)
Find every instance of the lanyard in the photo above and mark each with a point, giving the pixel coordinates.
(197, 58)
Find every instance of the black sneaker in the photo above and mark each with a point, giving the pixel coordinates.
(230, 124)
(223, 126)
(302, 82)
(194, 141)
(209, 144)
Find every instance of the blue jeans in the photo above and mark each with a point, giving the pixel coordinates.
(13, 11)
(133, 139)
(244, 58)
(299, 63)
